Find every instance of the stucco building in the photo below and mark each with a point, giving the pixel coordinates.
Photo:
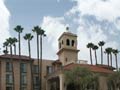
(52, 73)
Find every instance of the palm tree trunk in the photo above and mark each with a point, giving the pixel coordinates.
(108, 59)
(32, 85)
(12, 67)
(111, 59)
(41, 62)
(101, 55)
(96, 57)
(6, 49)
(15, 49)
(19, 45)
(91, 56)
(38, 61)
(116, 62)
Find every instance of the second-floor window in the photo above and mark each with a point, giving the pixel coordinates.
(49, 69)
(23, 78)
(23, 67)
(36, 80)
(35, 68)
(9, 79)
(8, 66)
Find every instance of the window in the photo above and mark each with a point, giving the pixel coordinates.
(23, 88)
(9, 79)
(59, 45)
(9, 88)
(66, 59)
(73, 43)
(23, 67)
(49, 69)
(36, 80)
(8, 66)
(68, 42)
(35, 68)
(23, 78)
(62, 42)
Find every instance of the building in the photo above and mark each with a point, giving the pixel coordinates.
(19, 68)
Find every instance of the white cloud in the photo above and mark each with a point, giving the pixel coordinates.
(54, 27)
(4, 22)
(102, 9)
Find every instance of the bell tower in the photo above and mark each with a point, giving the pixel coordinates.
(68, 52)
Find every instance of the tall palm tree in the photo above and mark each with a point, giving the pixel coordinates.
(40, 32)
(29, 37)
(101, 44)
(19, 30)
(5, 44)
(10, 43)
(95, 47)
(110, 50)
(107, 51)
(14, 44)
(115, 52)
(90, 46)
(36, 29)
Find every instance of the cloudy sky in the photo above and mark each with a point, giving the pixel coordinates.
(91, 20)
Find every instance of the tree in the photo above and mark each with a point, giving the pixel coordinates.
(80, 78)
(101, 44)
(115, 52)
(5, 52)
(5, 44)
(107, 51)
(14, 44)
(29, 37)
(90, 46)
(114, 81)
(19, 30)
(10, 43)
(95, 47)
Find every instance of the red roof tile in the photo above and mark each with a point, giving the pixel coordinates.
(93, 68)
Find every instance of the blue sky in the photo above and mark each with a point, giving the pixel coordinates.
(92, 21)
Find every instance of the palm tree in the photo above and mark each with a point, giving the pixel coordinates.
(101, 44)
(14, 44)
(90, 45)
(29, 37)
(19, 30)
(36, 29)
(10, 43)
(115, 52)
(5, 44)
(107, 51)
(5, 52)
(110, 49)
(95, 47)
(40, 32)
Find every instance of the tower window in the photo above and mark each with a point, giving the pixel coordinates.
(66, 59)
(73, 42)
(59, 45)
(62, 41)
(68, 42)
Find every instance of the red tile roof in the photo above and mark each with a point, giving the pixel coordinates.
(8, 56)
(93, 68)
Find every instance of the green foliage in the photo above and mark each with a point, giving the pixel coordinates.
(114, 81)
(81, 78)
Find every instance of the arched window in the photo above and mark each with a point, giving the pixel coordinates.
(73, 43)
(62, 41)
(68, 42)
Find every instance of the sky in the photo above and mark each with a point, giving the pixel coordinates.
(91, 20)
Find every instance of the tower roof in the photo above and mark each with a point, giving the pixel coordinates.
(67, 33)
